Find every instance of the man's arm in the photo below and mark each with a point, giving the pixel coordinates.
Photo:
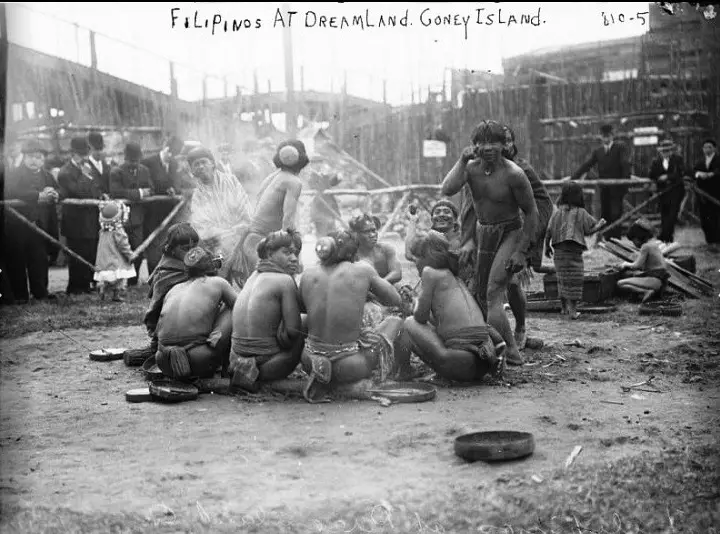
(522, 191)
(229, 296)
(292, 195)
(118, 189)
(585, 167)
(410, 236)
(456, 178)
(639, 262)
(383, 290)
(291, 309)
(423, 306)
(394, 265)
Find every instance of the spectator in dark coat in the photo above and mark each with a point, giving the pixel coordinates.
(164, 180)
(131, 181)
(99, 166)
(667, 171)
(707, 178)
(80, 224)
(25, 251)
(612, 162)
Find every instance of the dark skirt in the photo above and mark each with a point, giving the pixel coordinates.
(570, 268)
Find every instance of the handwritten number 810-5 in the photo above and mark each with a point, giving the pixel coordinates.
(620, 17)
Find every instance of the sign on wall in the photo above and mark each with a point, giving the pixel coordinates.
(434, 149)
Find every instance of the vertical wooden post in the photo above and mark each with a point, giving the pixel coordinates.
(538, 110)
(3, 79)
(225, 86)
(290, 108)
(93, 51)
(173, 120)
(384, 92)
(204, 89)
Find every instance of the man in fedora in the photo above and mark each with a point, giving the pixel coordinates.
(612, 162)
(668, 171)
(99, 167)
(80, 224)
(26, 251)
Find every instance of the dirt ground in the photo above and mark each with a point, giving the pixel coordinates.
(76, 457)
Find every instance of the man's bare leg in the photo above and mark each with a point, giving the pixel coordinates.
(457, 365)
(518, 306)
(282, 364)
(205, 359)
(647, 286)
(497, 287)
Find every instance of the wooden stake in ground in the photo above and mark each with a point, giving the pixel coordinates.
(164, 224)
(38, 230)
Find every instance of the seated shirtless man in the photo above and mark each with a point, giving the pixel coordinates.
(500, 191)
(457, 344)
(338, 349)
(266, 339)
(196, 321)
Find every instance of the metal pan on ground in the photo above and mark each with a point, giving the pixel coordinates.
(139, 395)
(404, 392)
(494, 446)
(172, 391)
(107, 355)
(151, 370)
(668, 309)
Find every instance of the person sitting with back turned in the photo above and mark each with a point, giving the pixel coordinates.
(457, 344)
(195, 324)
(338, 349)
(266, 339)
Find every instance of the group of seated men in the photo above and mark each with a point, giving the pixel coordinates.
(318, 318)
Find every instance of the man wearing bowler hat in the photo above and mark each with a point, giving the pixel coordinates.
(668, 172)
(26, 251)
(80, 224)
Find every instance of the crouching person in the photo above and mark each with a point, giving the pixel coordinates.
(195, 323)
(338, 348)
(266, 334)
(447, 330)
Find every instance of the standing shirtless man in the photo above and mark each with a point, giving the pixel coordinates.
(338, 348)
(277, 200)
(500, 190)
(267, 340)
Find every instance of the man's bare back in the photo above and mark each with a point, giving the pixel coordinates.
(334, 298)
(266, 299)
(277, 201)
(449, 300)
(190, 307)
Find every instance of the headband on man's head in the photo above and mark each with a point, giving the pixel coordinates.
(489, 132)
(448, 204)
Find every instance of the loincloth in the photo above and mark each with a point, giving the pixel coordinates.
(535, 249)
(247, 355)
(475, 340)
(489, 238)
(172, 358)
(322, 356)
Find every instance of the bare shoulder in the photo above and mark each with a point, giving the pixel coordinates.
(387, 249)
(218, 282)
(363, 269)
(431, 275)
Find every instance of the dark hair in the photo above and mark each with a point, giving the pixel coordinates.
(180, 234)
(488, 132)
(572, 195)
(641, 230)
(278, 240)
(606, 129)
(356, 223)
(337, 247)
(198, 262)
(433, 250)
(303, 159)
(711, 141)
(511, 152)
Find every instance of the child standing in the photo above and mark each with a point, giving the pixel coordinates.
(565, 244)
(652, 275)
(113, 267)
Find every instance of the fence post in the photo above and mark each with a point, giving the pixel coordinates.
(93, 51)
(538, 110)
(172, 120)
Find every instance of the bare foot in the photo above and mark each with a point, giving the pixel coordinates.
(512, 357)
(647, 295)
(520, 339)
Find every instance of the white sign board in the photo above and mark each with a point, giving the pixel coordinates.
(645, 130)
(434, 149)
(647, 140)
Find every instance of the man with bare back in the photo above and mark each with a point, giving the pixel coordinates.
(196, 321)
(338, 348)
(500, 191)
(456, 343)
(277, 200)
(266, 338)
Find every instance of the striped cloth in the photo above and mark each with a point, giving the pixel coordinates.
(568, 258)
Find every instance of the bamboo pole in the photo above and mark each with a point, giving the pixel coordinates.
(394, 214)
(632, 212)
(47, 236)
(706, 196)
(164, 224)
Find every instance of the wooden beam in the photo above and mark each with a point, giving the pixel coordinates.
(629, 114)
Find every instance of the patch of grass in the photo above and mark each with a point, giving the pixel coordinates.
(73, 312)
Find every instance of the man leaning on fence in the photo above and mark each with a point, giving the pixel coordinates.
(80, 224)
(612, 162)
(25, 250)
